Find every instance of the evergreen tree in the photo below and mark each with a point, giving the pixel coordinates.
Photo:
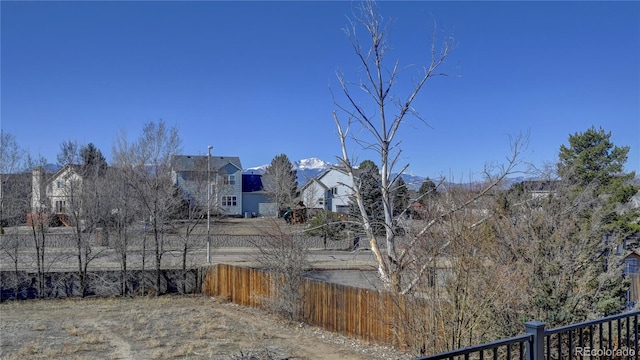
(593, 160)
(93, 162)
(427, 190)
(369, 181)
(400, 197)
(577, 272)
(326, 224)
(280, 181)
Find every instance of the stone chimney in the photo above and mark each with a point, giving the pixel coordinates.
(38, 192)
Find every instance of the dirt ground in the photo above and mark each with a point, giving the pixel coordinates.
(168, 327)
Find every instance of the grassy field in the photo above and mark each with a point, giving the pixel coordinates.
(168, 327)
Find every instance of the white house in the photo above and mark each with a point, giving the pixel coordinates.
(330, 190)
(223, 174)
(52, 193)
(50, 196)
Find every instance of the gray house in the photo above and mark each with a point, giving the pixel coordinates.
(216, 179)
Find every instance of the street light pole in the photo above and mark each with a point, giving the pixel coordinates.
(209, 203)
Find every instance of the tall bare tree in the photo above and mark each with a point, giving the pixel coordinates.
(381, 118)
(148, 164)
(126, 210)
(192, 214)
(39, 212)
(12, 165)
(378, 117)
(87, 201)
(14, 195)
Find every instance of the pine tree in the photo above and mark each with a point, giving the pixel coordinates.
(577, 272)
(400, 197)
(427, 190)
(93, 162)
(280, 181)
(369, 181)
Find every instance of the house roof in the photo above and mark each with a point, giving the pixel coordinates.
(199, 162)
(314, 181)
(318, 178)
(64, 171)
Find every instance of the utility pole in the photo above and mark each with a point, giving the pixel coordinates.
(209, 204)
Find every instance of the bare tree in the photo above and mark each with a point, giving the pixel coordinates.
(378, 117)
(388, 114)
(121, 221)
(148, 167)
(69, 153)
(86, 203)
(191, 215)
(39, 218)
(285, 256)
(14, 198)
(124, 214)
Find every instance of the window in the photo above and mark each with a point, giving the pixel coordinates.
(632, 265)
(230, 180)
(59, 184)
(334, 190)
(229, 200)
(321, 201)
(60, 204)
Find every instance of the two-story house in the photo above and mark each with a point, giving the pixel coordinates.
(213, 179)
(50, 196)
(330, 190)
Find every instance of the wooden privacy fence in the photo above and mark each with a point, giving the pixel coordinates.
(357, 312)
(634, 289)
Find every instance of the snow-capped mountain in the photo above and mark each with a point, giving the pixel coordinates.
(255, 170)
(305, 169)
(304, 164)
(311, 164)
(310, 168)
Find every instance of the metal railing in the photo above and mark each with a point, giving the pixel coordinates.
(613, 337)
(512, 348)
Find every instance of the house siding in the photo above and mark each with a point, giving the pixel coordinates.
(323, 187)
(190, 174)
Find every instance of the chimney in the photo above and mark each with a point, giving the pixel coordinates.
(37, 189)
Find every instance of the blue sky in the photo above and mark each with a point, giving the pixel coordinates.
(253, 79)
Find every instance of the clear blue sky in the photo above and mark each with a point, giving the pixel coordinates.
(252, 79)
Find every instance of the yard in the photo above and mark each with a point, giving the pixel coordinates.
(167, 327)
(172, 327)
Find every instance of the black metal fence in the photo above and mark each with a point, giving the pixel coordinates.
(609, 338)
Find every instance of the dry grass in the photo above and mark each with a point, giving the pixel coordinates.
(169, 327)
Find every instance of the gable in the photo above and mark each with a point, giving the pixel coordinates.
(228, 169)
(335, 178)
(186, 163)
(65, 173)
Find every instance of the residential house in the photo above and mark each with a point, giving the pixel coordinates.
(330, 190)
(218, 181)
(50, 196)
(255, 200)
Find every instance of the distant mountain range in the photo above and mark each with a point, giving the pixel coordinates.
(306, 169)
(310, 168)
